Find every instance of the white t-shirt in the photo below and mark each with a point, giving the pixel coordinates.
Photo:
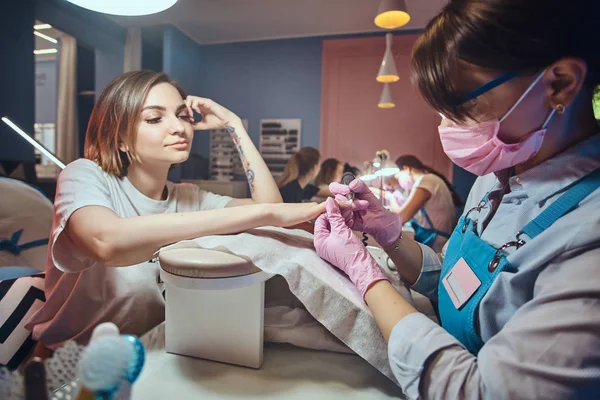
(24, 208)
(82, 293)
(440, 208)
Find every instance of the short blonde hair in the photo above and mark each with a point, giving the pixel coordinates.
(115, 117)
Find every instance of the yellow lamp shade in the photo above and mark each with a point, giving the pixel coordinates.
(392, 14)
(387, 78)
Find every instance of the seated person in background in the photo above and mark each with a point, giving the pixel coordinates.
(431, 204)
(115, 208)
(332, 170)
(301, 169)
(394, 194)
(353, 170)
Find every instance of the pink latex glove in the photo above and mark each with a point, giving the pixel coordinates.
(337, 244)
(368, 215)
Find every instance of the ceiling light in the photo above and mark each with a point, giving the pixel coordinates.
(386, 98)
(125, 7)
(48, 38)
(387, 70)
(42, 26)
(34, 142)
(392, 14)
(45, 51)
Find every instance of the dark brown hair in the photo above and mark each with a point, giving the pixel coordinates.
(299, 165)
(115, 117)
(328, 167)
(414, 163)
(353, 170)
(506, 36)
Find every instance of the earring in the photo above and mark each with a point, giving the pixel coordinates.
(559, 108)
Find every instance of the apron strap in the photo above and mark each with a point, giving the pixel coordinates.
(443, 234)
(427, 218)
(566, 203)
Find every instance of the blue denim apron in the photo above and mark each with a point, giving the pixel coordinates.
(488, 262)
(424, 235)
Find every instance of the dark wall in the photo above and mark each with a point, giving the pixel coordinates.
(17, 78)
(86, 77)
(152, 48)
(17, 69)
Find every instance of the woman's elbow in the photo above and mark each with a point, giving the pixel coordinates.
(99, 249)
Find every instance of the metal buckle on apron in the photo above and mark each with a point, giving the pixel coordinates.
(493, 265)
(482, 204)
(519, 235)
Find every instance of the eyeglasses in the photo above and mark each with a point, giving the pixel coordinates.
(486, 87)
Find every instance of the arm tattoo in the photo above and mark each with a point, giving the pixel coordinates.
(237, 142)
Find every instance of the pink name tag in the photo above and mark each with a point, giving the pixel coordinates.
(460, 283)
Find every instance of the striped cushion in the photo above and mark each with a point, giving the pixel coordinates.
(19, 300)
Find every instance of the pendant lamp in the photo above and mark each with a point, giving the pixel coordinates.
(392, 14)
(387, 70)
(386, 98)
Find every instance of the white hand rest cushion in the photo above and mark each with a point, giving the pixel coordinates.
(202, 263)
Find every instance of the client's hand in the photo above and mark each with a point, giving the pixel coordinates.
(368, 215)
(336, 243)
(214, 115)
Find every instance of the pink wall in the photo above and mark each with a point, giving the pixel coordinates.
(353, 128)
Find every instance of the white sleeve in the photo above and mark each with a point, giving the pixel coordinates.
(429, 182)
(211, 201)
(79, 185)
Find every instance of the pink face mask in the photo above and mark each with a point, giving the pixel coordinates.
(478, 149)
(405, 180)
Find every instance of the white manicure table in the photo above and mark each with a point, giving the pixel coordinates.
(287, 372)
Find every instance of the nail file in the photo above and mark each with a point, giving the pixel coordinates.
(346, 179)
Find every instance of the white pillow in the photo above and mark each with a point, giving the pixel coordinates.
(19, 299)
